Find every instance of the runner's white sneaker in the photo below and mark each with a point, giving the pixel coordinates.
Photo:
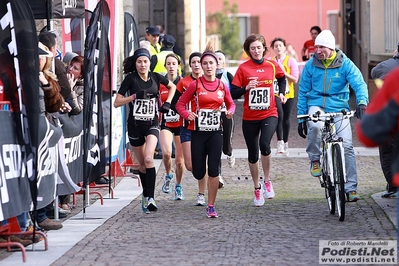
(221, 182)
(200, 200)
(280, 147)
(167, 188)
(259, 200)
(286, 152)
(231, 160)
(268, 190)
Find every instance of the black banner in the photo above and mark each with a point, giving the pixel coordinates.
(47, 9)
(97, 97)
(131, 41)
(19, 75)
(72, 127)
(47, 158)
(14, 189)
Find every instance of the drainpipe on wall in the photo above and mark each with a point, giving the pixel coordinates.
(319, 11)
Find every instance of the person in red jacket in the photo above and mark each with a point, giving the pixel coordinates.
(185, 134)
(205, 123)
(308, 48)
(380, 121)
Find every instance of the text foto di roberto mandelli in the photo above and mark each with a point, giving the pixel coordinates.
(358, 251)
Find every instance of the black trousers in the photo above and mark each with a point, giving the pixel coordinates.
(386, 159)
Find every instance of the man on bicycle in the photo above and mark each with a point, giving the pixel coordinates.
(324, 86)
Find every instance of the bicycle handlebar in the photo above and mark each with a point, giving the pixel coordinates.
(316, 116)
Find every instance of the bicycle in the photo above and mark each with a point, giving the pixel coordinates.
(333, 177)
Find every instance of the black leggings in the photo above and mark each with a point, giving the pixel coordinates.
(206, 144)
(284, 112)
(228, 130)
(251, 130)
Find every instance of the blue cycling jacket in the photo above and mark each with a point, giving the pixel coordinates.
(328, 88)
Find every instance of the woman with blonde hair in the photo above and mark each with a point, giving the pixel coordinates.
(54, 102)
(50, 101)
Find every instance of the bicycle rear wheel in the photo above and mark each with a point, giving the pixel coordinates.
(339, 182)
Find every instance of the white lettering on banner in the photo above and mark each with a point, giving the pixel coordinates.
(70, 3)
(131, 39)
(46, 161)
(5, 21)
(45, 155)
(73, 147)
(46, 165)
(10, 167)
(93, 157)
(12, 159)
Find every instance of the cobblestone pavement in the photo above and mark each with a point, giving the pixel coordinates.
(285, 231)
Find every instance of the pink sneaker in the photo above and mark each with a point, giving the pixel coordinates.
(210, 211)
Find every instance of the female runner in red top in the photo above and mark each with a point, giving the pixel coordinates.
(254, 79)
(170, 130)
(185, 134)
(209, 94)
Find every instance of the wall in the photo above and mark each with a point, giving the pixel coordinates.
(184, 19)
(289, 19)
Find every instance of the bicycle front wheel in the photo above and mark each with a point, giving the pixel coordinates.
(339, 182)
(329, 192)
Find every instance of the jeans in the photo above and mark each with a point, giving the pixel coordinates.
(344, 130)
(41, 215)
(22, 221)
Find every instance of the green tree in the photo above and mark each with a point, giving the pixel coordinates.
(225, 23)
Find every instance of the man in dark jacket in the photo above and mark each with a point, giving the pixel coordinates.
(49, 39)
(387, 148)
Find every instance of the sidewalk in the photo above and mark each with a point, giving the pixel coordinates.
(285, 231)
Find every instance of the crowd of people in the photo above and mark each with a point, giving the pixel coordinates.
(196, 113)
(191, 116)
(60, 93)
